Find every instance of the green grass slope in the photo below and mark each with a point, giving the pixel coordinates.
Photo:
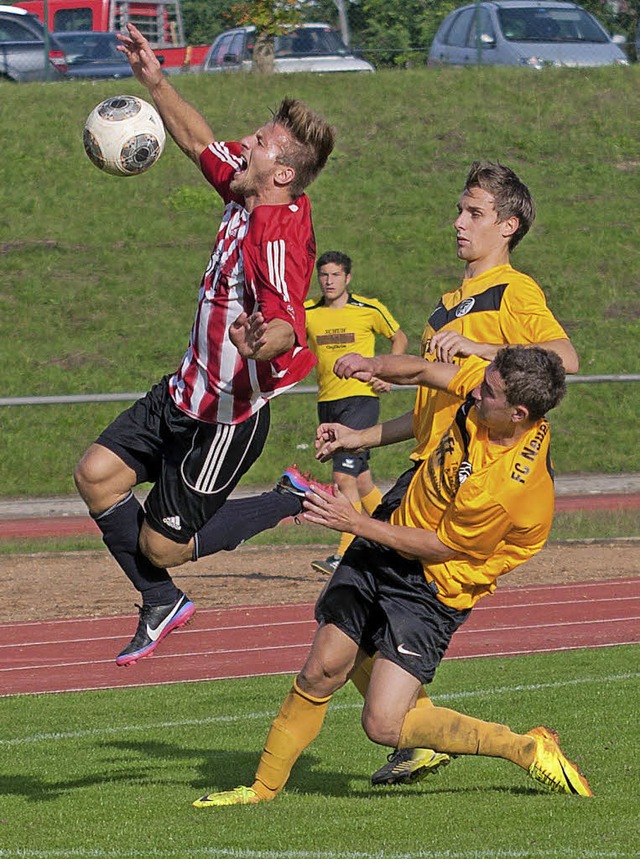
(99, 274)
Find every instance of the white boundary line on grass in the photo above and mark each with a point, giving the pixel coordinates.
(220, 853)
(182, 723)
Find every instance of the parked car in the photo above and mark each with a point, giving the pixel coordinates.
(22, 49)
(307, 48)
(92, 55)
(525, 33)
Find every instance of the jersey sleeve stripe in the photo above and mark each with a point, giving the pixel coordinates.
(224, 154)
(276, 259)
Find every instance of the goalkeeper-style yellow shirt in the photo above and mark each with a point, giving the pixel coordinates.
(501, 306)
(333, 332)
(493, 504)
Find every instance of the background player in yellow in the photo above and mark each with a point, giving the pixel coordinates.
(494, 305)
(476, 509)
(339, 322)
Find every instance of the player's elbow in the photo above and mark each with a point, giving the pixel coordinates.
(571, 361)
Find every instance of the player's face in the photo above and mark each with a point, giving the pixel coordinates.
(260, 152)
(492, 407)
(333, 281)
(479, 234)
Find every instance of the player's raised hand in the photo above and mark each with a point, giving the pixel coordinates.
(354, 366)
(333, 511)
(144, 63)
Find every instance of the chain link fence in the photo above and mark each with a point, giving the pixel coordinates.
(387, 33)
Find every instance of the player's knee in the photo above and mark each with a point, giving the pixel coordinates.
(380, 728)
(319, 678)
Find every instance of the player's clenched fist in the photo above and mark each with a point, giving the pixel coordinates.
(355, 366)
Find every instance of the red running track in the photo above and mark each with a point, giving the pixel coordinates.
(78, 654)
(74, 526)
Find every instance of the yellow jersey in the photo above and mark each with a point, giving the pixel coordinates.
(501, 306)
(492, 504)
(333, 332)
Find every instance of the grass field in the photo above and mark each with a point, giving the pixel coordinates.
(112, 774)
(99, 273)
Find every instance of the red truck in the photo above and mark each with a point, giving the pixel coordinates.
(159, 20)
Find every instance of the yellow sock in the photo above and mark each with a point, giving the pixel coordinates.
(448, 731)
(371, 500)
(294, 728)
(362, 675)
(347, 539)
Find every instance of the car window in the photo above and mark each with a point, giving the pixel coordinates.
(550, 25)
(458, 33)
(222, 49)
(484, 28)
(73, 19)
(310, 42)
(14, 31)
(235, 48)
(90, 46)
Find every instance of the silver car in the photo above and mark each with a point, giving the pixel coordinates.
(307, 48)
(525, 33)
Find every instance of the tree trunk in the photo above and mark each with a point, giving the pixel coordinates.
(263, 54)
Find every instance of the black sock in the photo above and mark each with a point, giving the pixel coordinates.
(242, 518)
(120, 526)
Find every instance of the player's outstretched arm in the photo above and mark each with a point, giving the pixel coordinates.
(447, 345)
(336, 512)
(184, 123)
(397, 369)
(331, 438)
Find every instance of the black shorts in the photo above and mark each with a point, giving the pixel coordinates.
(357, 413)
(383, 602)
(193, 465)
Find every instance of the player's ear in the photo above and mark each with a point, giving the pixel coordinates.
(284, 175)
(509, 226)
(519, 414)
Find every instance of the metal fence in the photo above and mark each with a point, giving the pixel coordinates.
(391, 34)
(62, 399)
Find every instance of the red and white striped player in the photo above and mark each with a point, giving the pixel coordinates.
(198, 431)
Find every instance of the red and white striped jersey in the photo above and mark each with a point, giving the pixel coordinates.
(261, 260)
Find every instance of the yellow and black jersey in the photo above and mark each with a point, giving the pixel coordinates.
(493, 504)
(333, 332)
(500, 306)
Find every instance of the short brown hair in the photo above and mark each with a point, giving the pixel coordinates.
(533, 377)
(337, 258)
(312, 142)
(511, 196)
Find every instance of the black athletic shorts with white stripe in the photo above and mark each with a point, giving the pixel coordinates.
(384, 603)
(193, 465)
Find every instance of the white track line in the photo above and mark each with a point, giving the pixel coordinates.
(200, 631)
(264, 715)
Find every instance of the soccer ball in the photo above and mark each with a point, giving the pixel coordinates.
(124, 135)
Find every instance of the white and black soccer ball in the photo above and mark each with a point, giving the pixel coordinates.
(124, 135)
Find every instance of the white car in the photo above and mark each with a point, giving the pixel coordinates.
(307, 48)
(533, 33)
